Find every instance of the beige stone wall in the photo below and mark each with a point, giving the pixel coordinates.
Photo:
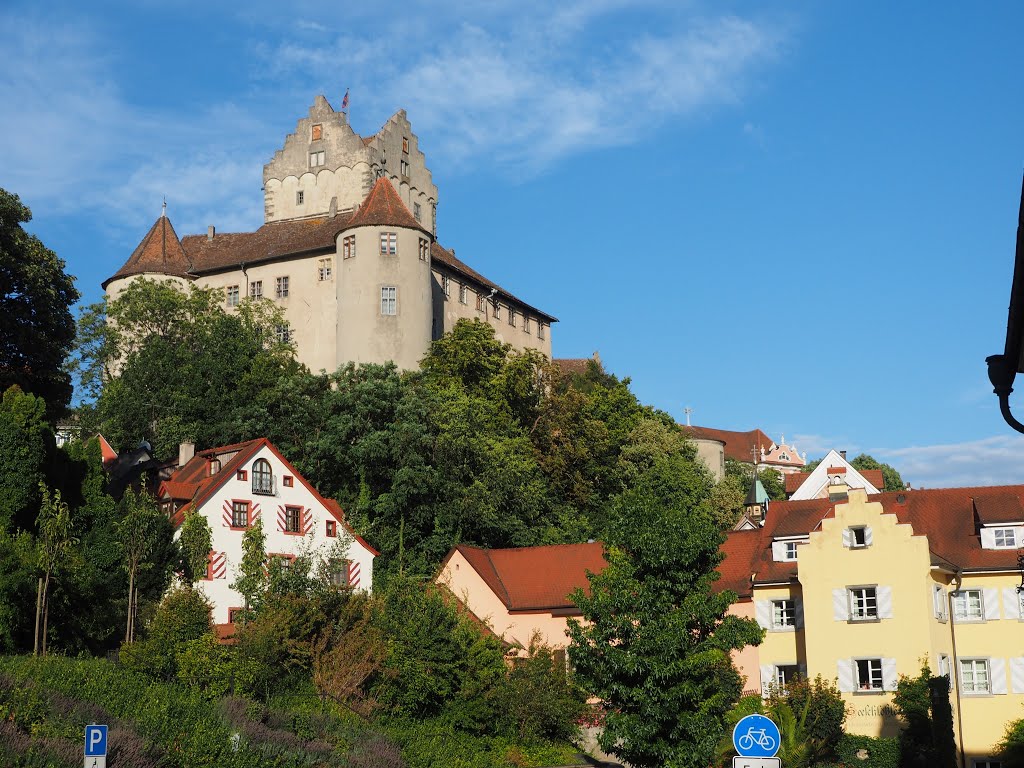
(712, 453)
(395, 151)
(365, 335)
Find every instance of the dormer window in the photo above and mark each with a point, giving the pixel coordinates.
(214, 466)
(262, 478)
(1005, 538)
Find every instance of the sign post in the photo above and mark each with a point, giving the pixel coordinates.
(757, 741)
(95, 746)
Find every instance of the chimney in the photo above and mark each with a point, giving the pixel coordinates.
(843, 454)
(185, 453)
(210, 232)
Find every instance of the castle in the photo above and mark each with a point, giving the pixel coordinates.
(348, 250)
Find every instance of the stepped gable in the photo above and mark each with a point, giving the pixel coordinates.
(276, 240)
(160, 252)
(442, 255)
(384, 207)
(537, 578)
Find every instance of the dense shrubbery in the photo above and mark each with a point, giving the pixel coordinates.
(880, 753)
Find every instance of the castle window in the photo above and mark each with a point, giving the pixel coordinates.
(405, 167)
(497, 311)
(232, 295)
(405, 144)
(256, 289)
(424, 249)
(512, 317)
(348, 247)
(281, 287)
(318, 132)
(324, 268)
(389, 300)
(300, 197)
(316, 159)
(526, 323)
(479, 302)
(446, 285)
(283, 333)
(388, 244)
(417, 211)
(462, 293)
(540, 330)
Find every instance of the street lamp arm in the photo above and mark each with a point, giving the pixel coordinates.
(1001, 374)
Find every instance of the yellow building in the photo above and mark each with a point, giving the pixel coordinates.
(862, 591)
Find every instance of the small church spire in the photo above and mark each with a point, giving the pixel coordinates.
(163, 209)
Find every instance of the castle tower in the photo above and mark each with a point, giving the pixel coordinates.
(384, 282)
(159, 256)
(325, 167)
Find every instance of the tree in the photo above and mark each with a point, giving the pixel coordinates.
(55, 542)
(196, 541)
(1010, 749)
(922, 703)
(893, 481)
(138, 533)
(36, 327)
(656, 644)
(25, 439)
(252, 576)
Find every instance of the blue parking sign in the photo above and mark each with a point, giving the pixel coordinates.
(756, 736)
(95, 741)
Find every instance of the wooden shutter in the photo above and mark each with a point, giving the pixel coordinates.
(884, 595)
(763, 613)
(868, 537)
(767, 678)
(997, 669)
(840, 605)
(847, 538)
(847, 674)
(889, 674)
(779, 551)
(1017, 674)
(1011, 603)
(990, 603)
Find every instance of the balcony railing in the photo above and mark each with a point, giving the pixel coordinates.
(263, 485)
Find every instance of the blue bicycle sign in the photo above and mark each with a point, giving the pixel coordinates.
(756, 736)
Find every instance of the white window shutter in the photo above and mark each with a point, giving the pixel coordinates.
(1011, 603)
(884, 595)
(997, 668)
(779, 551)
(847, 538)
(889, 674)
(767, 678)
(990, 600)
(799, 605)
(763, 613)
(1017, 674)
(840, 605)
(847, 675)
(988, 538)
(868, 538)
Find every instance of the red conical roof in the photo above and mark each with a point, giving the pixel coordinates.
(160, 252)
(384, 207)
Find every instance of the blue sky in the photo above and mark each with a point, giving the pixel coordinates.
(792, 216)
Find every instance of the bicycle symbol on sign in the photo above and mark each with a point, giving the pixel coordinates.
(758, 736)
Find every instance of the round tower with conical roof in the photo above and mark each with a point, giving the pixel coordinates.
(159, 256)
(384, 282)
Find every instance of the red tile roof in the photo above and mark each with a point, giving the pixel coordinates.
(794, 480)
(159, 252)
(384, 208)
(999, 508)
(738, 445)
(576, 365)
(536, 578)
(945, 515)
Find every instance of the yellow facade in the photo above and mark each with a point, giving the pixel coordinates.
(871, 602)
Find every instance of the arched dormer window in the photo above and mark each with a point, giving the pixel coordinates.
(262, 478)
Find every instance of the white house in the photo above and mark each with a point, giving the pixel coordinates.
(834, 469)
(234, 486)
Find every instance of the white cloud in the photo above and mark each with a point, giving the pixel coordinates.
(816, 446)
(988, 461)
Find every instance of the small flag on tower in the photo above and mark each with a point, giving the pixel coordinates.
(344, 102)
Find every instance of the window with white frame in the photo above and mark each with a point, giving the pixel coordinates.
(405, 167)
(232, 295)
(325, 268)
(262, 477)
(497, 311)
(863, 603)
(540, 330)
(974, 676)
(463, 291)
(446, 285)
(968, 605)
(424, 249)
(388, 243)
(300, 197)
(316, 159)
(859, 536)
(283, 333)
(785, 674)
(256, 289)
(789, 550)
(348, 247)
(1005, 538)
(526, 323)
(783, 614)
(869, 675)
(281, 287)
(389, 300)
(943, 665)
(512, 317)
(939, 601)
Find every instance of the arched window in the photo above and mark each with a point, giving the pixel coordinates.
(262, 477)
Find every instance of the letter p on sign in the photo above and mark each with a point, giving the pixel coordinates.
(95, 746)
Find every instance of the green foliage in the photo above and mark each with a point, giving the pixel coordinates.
(823, 712)
(539, 701)
(182, 616)
(927, 736)
(36, 327)
(742, 474)
(881, 753)
(893, 481)
(18, 566)
(656, 650)
(252, 578)
(196, 540)
(25, 446)
(1010, 749)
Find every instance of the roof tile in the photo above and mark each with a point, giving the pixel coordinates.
(159, 252)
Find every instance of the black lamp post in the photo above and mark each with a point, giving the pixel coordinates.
(1002, 369)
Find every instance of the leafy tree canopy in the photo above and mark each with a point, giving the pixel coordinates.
(25, 447)
(36, 327)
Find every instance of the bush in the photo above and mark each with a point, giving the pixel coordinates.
(1011, 748)
(881, 753)
(538, 701)
(182, 616)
